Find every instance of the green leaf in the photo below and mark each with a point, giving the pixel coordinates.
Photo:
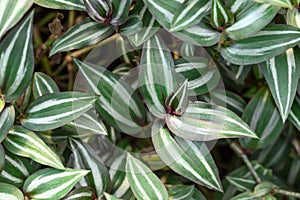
(240, 183)
(86, 124)
(43, 84)
(16, 169)
(150, 25)
(9, 192)
(25, 143)
(143, 182)
(249, 22)
(17, 60)
(293, 17)
(181, 192)
(83, 34)
(264, 118)
(202, 75)
(120, 12)
(220, 15)
(283, 81)
(62, 4)
(187, 49)
(118, 105)
(55, 110)
(281, 3)
(52, 183)
(7, 118)
(266, 44)
(178, 101)
(157, 75)
(189, 159)
(204, 122)
(83, 193)
(99, 10)
(132, 26)
(11, 13)
(189, 14)
(294, 115)
(2, 158)
(238, 7)
(110, 197)
(86, 158)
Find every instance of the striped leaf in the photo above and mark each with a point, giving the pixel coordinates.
(294, 115)
(202, 75)
(16, 60)
(62, 4)
(293, 17)
(7, 118)
(86, 158)
(120, 11)
(52, 183)
(150, 25)
(132, 26)
(240, 183)
(187, 49)
(199, 35)
(266, 44)
(264, 118)
(204, 122)
(143, 182)
(189, 14)
(55, 110)
(238, 7)
(59, 136)
(283, 81)
(25, 143)
(256, 17)
(110, 197)
(83, 193)
(189, 159)
(43, 84)
(220, 15)
(16, 169)
(10, 192)
(83, 34)
(11, 12)
(99, 10)
(86, 124)
(182, 192)
(118, 105)
(281, 3)
(2, 158)
(157, 75)
(178, 101)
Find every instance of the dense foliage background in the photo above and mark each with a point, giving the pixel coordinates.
(75, 124)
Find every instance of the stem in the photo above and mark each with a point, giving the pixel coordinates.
(239, 151)
(287, 193)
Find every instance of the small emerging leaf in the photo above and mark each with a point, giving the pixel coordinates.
(99, 10)
(220, 15)
(43, 84)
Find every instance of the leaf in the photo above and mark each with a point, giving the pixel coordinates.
(2, 104)
(11, 13)
(293, 17)
(132, 26)
(2, 158)
(7, 118)
(118, 105)
(263, 117)
(181, 192)
(86, 124)
(110, 197)
(86, 158)
(283, 81)
(189, 14)
(178, 101)
(10, 192)
(281, 3)
(220, 16)
(189, 159)
(55, 110)
(157, 75)
(204, 122)
(202, 74)
(99, 10)
(62, 4)
(25, 143)
(43, 84)
(143, 182)
(187, 50)
(52, 183)
(249, 22)
(83, 193)
(85, 33)
(150, 25)
(16, 60)
(242, 184)
(294, 115)
(121, 10)
(266, 44)
(238, 7)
